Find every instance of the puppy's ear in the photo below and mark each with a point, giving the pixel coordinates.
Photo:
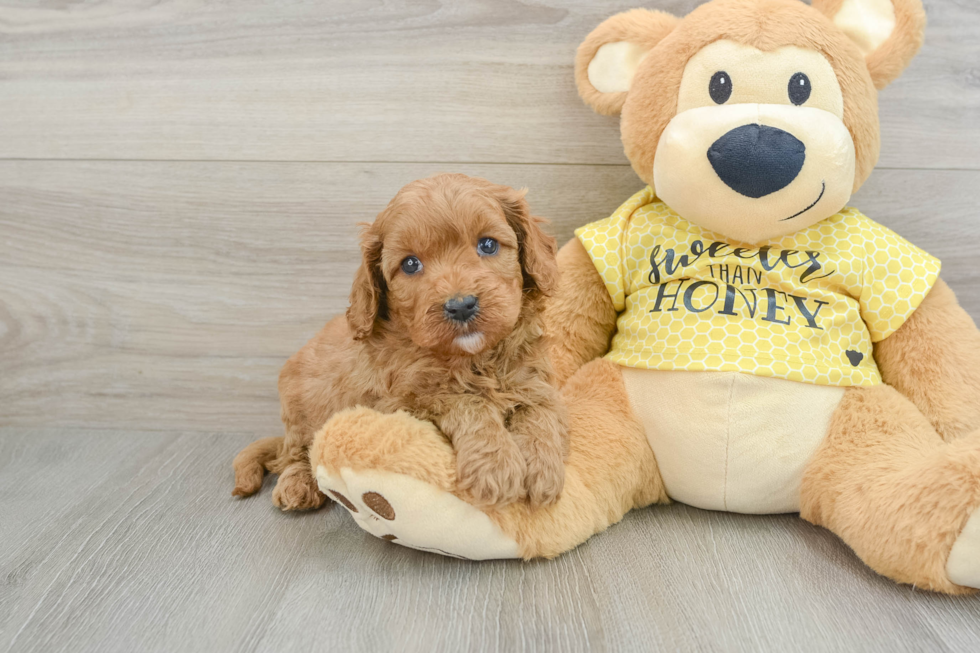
(367, 295)
(538, 250)
(888, 32)
(610, 54)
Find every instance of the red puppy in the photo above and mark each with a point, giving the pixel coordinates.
(445, 323)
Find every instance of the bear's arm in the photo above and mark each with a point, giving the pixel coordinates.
(934, 360)
(580, 317)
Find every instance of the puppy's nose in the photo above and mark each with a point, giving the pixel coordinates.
(461, 309)
(756, 160)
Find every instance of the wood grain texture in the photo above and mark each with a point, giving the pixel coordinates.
(130, 541)
(166, 295)
(378, 80)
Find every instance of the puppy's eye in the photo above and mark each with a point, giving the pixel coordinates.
(720, 87)
(799, 89)
(487, 247)
(411, 265)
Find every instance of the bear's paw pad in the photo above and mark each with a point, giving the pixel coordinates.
(407, 511)
(963, 563)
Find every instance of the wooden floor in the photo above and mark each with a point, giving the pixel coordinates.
(180, 184)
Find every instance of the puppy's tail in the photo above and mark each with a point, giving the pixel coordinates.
(250, 465)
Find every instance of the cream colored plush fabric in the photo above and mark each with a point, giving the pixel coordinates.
(612, 68)
(418, 515)
(963, 564)
(686, 181)
(869, 23)
(728, 440)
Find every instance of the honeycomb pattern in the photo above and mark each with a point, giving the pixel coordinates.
(806, 307)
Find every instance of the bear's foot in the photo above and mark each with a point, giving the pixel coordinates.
(396, 476)
(963, 563)
(413, 513)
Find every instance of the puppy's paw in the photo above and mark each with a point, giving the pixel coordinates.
(297, 490)
(492, 476)
(545, 478)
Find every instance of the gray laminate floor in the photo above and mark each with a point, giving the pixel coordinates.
(130, 541)
(180, 187)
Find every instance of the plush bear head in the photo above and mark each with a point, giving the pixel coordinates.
(751, 118)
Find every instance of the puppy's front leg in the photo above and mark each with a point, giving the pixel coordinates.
(540, 429)
(489, 465)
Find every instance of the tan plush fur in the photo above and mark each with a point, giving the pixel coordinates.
(359, 438)
(641, 26)
(934, 360)
(888, 61)
(890, 487)
(580, 318)
(398, 351)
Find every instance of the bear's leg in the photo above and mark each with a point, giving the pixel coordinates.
(396, 475)
(896, 493)
(934, 360)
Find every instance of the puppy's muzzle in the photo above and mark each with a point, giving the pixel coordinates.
(461, 309)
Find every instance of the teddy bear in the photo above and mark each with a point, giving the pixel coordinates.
(735, 336)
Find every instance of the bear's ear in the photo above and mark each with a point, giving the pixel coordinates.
(888, 32)
(610, 54)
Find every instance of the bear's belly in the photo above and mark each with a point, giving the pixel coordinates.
(729, 440)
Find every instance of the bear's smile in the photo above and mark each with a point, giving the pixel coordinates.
(823, 189)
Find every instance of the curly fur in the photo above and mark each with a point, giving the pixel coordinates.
(396, 350)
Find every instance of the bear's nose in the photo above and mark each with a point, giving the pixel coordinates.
(461, 309)
(756, 160)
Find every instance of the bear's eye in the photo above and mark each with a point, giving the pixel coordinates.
(411, 265)
(486, 247)
(799, 88)
(720, 88)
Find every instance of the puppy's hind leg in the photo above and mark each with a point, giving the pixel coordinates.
(296, 488)
(250, 465)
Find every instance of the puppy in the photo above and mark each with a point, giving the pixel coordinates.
(445, 323)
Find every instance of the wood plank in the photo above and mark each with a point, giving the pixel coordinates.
(471, 81)
(132, 542)
(167, 295)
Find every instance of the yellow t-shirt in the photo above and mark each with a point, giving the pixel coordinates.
(805, 307)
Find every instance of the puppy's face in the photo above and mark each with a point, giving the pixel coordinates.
(454, 277)
(451, 263)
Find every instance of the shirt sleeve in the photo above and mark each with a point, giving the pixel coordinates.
(897, 277)
(604, 241)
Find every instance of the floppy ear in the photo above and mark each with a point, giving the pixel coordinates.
(367, 295)
(888, 32)
(538, 250)
(610, 54)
